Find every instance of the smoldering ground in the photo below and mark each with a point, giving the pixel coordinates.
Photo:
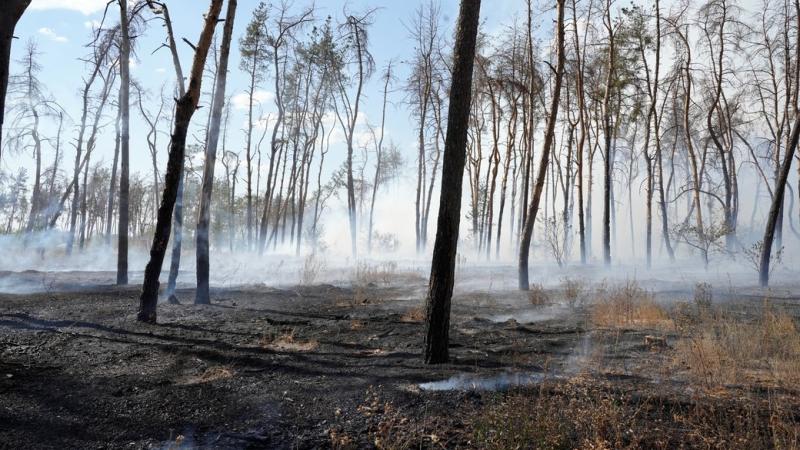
(334, 360)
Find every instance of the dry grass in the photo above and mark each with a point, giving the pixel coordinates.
(312, 267)
(373, 274)
(628, 306)
(580, 414)
(574, 292)
(718, 349)
(211, 374)
(584, 413)
(538, 296)
(360, 297)
(287, 342)
(413, 315)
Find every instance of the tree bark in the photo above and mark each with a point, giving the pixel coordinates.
(549, 136)
(124, 104)
(202, 295)
(184, 110)
(777, 204)
(442, 277)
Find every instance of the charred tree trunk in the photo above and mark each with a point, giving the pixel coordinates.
(777, 204)
(608, 135)
(549, 136)
(202, 296)
(184, 110)
(442, 277)
(124, 104)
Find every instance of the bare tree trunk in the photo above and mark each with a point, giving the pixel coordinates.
(124, 104)
(202, 296)
(379, 154)
(445, 247)
(184, 110)
(608, 135)
(549, 136)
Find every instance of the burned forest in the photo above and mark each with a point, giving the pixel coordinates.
(516, 224)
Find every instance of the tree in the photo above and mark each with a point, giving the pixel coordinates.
(29, 104)
(184, 110)
(202, 295)
(101, 58)
(124, 104)
(10, 13)
(424, 29)
(357, 50)
(608, 133)
(380, 164)
(440, 289)
(278, 40)
(254, 51)
(525, 244)
(777, 202)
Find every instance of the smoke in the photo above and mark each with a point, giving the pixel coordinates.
(499, 382)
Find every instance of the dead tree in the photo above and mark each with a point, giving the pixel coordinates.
(278, 40)
(184, 111)
(102, 45)
(775, 211)
(124, 149)
(440, 290)
(608, 135)
(254, 51)
(160, 8)
(549, 137)
(356, 34)
(202, 296)
(387, 78)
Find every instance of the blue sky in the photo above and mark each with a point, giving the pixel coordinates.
(63, 27)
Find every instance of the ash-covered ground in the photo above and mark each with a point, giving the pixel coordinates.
(338, 364)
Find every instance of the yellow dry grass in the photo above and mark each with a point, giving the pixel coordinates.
(628, 306)
(413, 315)
(210, 375)
(287, 342)
(719, 350)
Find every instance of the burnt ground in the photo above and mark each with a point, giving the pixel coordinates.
(303, 367)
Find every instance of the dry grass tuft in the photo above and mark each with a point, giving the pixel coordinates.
(414, 315)
(312, 267)
(287, 342)
(629, 306)
(360, 297)
(373, 274)
(574, 292)
(538, 296)
(340, 440)
(211, 374)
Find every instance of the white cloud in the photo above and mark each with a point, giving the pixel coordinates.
(51, 34)
(91, 24)
(240, 101)
(83, 6)
(161, 70)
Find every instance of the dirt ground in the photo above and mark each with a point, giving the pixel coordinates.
(325, 366)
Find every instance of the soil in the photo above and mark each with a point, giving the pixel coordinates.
(296, 367)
